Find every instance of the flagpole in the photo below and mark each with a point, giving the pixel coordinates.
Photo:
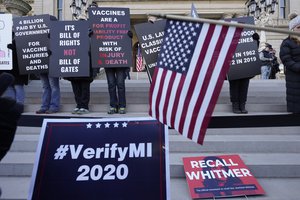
(225, 23)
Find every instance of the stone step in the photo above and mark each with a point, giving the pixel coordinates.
(213, 143)
(143, 107)
(288, 130)
(275, 189)
(263, 165)
(237, 144)
(252, 108)
(264, 96)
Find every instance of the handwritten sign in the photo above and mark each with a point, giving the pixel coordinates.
(69, 49)
(32, 42)
(111, 46)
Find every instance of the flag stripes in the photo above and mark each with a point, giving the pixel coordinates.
(184, 92)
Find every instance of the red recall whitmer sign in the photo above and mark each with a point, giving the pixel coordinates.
(219, 176)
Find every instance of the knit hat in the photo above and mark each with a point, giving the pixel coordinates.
(294, 20)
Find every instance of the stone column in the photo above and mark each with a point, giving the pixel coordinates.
(17, 7)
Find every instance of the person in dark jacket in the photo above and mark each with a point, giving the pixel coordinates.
(290, 57)
(266, 57)
(16, 90)
(275, 64)
(10, 112)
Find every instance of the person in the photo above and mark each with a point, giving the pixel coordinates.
(51, 90)
(290, 57)
(274, 64)
(81, 90)
(16, 90)
(238, 88)
(266, 57)
(116, 81)
(10, 112)
(50, 95)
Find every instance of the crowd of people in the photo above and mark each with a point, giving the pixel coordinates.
(12, 94)
(50, 99)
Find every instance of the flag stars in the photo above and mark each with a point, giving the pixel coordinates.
(98, 125)
(177, 48)
(107, 125)
(116, 125)
(89, 125)
(124, 124)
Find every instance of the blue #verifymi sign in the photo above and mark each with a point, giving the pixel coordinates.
(101, 159)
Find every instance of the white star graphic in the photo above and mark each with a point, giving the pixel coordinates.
(89, 125)
(107, 125)
(116, 125)
(98, 125)
(124, 124)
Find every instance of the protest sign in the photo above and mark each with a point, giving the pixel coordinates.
(245, 62)
(219, 176)
(101, 159)
(5, 38)
(110, 43)
(69, 49)
(150, 36)
(32, 42)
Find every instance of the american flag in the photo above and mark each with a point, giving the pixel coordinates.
(139, 60)
(191, 69)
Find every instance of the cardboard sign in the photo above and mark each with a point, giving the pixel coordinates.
(219, 176)
(101, 159)
(111, 45)
(245, 62)
(69, 49)
(32, 42)
(5, 38)
(150, 36)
